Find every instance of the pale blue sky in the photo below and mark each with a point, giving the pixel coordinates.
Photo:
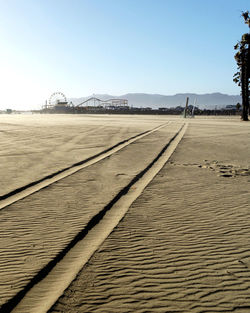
(81, 47)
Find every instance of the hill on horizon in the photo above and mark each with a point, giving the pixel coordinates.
(208, 101)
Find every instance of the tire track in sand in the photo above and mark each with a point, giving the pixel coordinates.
(51, 281)
(22, 192)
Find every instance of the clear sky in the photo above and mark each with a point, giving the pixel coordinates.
(82, 47)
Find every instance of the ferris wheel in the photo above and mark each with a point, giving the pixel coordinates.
(56, 98)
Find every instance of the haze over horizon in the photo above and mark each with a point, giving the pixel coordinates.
(117, 47)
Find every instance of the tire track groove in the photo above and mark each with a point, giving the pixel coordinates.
(14, 301)
(24, 191)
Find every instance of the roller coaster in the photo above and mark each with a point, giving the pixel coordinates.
(58, 101)
(95, 102)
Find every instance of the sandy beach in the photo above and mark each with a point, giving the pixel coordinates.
(33, 146)
(183, 244)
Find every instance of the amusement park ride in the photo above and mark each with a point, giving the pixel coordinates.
(57, 99)
(104, 103)
(58, 102)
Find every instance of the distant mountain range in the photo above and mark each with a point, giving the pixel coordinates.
(209, 101)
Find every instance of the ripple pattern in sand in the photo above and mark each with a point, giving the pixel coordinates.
(176, 250)
(35, 229)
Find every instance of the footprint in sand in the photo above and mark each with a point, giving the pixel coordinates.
(226, 175)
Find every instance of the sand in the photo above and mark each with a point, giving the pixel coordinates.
(33, 146)
(183, 245)
(35, 229)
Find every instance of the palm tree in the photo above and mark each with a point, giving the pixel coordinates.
(242, 77)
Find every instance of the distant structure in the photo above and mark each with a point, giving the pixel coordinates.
(107, 104)
(56, 101)
(185, 111)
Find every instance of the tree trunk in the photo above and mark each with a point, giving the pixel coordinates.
(248, 78)
(244, 89)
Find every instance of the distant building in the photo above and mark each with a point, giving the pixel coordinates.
(115, 102)
(163, 109)
(231, 107)
(61, 103)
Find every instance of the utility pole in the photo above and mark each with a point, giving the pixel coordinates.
(185, 112)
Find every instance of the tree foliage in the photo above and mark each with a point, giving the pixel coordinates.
(242, 76)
